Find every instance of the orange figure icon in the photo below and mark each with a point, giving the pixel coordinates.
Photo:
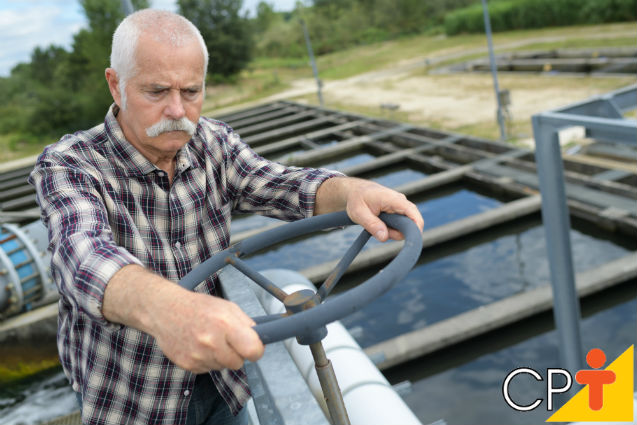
(596, 379)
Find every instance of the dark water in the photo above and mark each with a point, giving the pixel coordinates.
(479, 274)
(341, 164)
(45, 398)
(466, 274)
(467, 388)
(388, 178)
(461, 388)
(446, 207)
(394, 176)
(250, 222)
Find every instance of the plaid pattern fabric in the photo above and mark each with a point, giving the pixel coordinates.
(107, 206)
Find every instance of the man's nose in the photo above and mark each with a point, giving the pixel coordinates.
(175, 107)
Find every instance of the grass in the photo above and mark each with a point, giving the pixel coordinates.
(253, 84)
(558, 33)
(361, 59)
(576, 43)
(14, 146)
(258, 85)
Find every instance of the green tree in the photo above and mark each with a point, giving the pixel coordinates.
(54, 107)
(265, 17)
(17, 94)
(227, 34)
(60, 91)
(45, 62)
(91, 56)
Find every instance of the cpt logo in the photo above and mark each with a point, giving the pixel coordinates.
(607, 394)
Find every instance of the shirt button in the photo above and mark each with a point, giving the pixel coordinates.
(160, 174)
(177, 244)
(187, 393)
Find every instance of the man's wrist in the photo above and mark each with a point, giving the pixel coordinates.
(331, 195)
(133, 297)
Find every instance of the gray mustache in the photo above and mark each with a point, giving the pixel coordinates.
(166, 125)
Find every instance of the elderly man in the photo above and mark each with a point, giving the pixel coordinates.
(135, 203)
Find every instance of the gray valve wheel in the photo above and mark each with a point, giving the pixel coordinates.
(308, 312)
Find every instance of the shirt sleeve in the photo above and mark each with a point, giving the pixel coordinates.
(84, 254)
(261, 186)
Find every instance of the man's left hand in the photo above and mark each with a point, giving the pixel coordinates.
(364, 200)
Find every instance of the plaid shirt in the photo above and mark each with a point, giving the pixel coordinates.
(107, 206)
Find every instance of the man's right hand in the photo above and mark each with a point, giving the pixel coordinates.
(202, 332)
(198, 332)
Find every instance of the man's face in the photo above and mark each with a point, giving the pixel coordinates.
(168, 85)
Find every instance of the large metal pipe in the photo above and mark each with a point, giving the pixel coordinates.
(25, 278)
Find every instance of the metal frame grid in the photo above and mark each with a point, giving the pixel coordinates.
(303, 135)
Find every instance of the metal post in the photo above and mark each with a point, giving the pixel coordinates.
(310, 52)
(494, 72)
(329, 385)
(555, 217)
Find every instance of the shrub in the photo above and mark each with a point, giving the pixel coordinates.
(523, 14)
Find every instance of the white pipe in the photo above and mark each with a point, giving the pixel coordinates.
(369, 397)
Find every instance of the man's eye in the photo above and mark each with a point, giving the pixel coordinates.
(191, 92)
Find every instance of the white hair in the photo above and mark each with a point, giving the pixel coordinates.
(163, 26)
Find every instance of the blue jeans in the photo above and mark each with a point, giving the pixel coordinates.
(206, 407)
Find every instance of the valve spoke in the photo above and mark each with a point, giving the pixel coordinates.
(311, 320)
(268, 318)
(257, 277)
(339, 270)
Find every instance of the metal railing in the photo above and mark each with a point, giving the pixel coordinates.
(603, 119)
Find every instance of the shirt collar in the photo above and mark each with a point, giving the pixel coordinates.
(130, 159)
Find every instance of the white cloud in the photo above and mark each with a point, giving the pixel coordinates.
(165, 5)
(248, 5)
(25, 24)
(278, 5)
(28, 24)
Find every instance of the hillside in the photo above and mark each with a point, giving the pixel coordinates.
(402, 73)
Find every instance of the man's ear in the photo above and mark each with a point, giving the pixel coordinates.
(113, 85)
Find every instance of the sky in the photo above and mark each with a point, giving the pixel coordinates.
(25, 24)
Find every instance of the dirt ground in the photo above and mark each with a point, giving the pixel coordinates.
(458, 102)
